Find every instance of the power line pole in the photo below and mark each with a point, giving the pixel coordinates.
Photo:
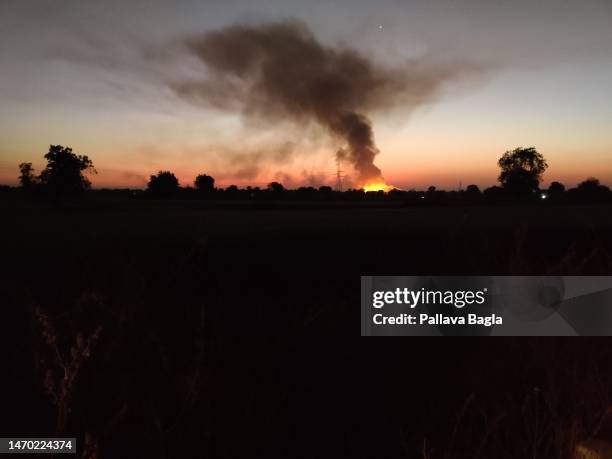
(339, 176)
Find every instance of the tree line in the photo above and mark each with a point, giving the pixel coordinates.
(521, 172)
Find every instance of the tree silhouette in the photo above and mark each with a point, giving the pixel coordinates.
(521, 170)
(556, 190)
(163, 185)
(64, 171)
(591, 190)
(590, 184)
(26, 176)
(472, 192)
(276, 187)
(204, 183)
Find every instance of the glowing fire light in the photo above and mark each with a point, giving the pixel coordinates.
(378, 186)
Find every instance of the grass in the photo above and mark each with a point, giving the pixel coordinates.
(232, 331)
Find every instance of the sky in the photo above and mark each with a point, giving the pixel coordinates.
(101, 78)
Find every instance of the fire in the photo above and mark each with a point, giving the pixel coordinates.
(377, 186)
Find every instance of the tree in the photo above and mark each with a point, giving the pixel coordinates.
(164, 184)
(590, 184)
(591, 190)
(556, 190)
(204, 183)
(521, 170)
(432, 194)
(276, 187)
(472, 192)
(26, 176)
(64, 171)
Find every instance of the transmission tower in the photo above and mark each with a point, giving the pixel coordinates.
(339, 175)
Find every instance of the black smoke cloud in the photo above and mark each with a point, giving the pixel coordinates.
(280, 71)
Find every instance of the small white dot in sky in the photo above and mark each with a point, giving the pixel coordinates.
(380, 27)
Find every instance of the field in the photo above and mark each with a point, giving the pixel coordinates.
(202, 327)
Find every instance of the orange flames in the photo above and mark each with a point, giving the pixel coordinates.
(377, 186)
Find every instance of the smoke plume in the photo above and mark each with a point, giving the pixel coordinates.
(279, 70)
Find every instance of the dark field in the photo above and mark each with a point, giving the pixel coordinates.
(229, 330)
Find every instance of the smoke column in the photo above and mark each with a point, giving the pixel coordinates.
(280, 70)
